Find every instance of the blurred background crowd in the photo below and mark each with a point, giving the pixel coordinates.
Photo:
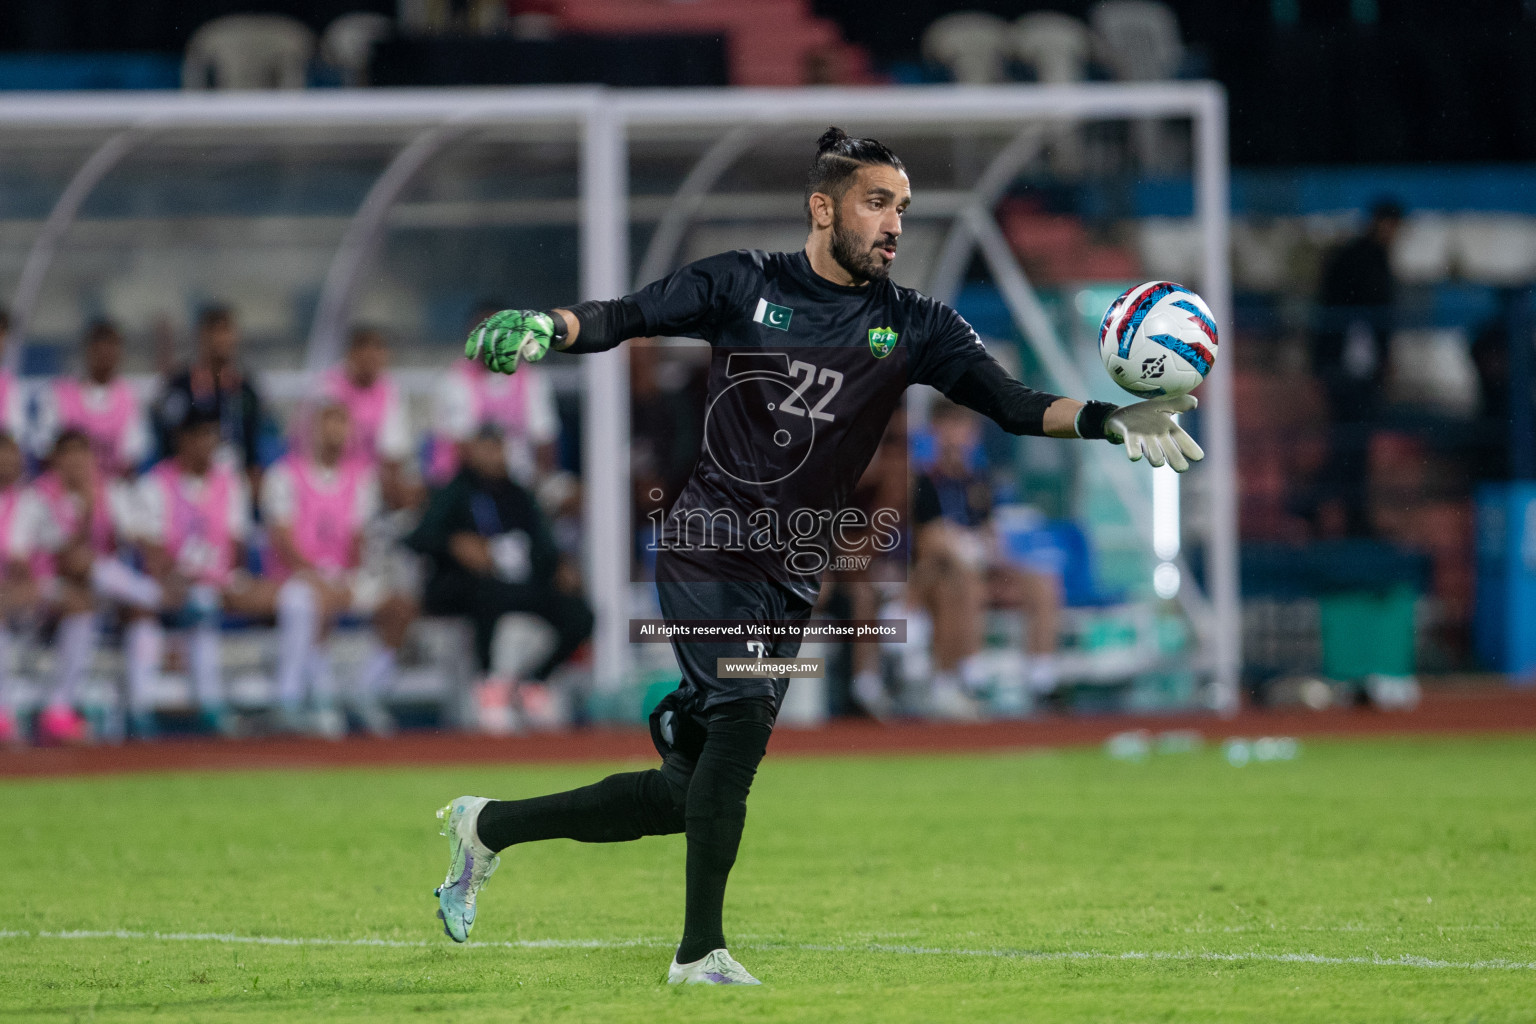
(201, 534)
(167, 511)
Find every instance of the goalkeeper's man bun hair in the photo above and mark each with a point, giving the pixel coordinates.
(838, 159)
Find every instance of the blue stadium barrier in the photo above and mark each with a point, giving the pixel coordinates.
(88, 71)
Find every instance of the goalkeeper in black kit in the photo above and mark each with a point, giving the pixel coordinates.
(812, 351)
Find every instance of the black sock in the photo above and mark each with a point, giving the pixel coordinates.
(615, 810)
(717, 811)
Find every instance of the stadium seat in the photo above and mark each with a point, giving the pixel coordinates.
(1139, 42)
(1422, 252)
(1105, 639)
(1056, 46)
(1061, 547)
(1169, 247)
(973, 45)
(249, 51)
(1494, 248)
(348, 43)
(1139, 39)
(1262, 251)
(1433, 370)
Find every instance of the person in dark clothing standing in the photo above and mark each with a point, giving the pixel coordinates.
(491, 554)
(1350, 349)
(215, 385)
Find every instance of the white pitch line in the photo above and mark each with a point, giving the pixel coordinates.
(1405, 960)
(280, 940)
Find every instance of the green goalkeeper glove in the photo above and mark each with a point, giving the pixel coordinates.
(504, 338)
(1149, 427)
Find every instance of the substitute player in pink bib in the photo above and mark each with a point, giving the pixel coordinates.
(76, 566)
(193, 519)
(329, 503)
(101, 404)
(317, 503)
(380, 433)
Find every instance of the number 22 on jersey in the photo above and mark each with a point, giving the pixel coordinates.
(797, 406)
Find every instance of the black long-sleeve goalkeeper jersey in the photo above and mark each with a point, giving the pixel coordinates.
(804, 377)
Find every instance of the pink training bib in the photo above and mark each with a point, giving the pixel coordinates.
(369, 408)
(197, 531)
(496, 398)
(325, 523)
(64, 511)
(105, 424)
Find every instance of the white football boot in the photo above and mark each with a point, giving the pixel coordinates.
(470, 863)
(717, 968)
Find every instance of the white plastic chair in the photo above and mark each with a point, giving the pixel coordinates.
(248, 51)
(1139, 41)
(1427, 248)
(973, 45)
(1057, 46)
(348, 43)
(1494, 248)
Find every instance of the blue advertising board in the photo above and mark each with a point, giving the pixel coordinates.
(1505, 629)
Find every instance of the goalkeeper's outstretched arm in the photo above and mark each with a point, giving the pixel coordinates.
(599, 325)
(687, 301)
(1146, 428)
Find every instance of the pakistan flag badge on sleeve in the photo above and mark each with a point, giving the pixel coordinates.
(881, 341)
(773, 316)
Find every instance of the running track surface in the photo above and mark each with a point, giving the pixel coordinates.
(1458, 711)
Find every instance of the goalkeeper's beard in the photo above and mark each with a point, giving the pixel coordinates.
(857, 255)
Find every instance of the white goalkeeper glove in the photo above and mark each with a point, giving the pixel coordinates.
(1149, 428)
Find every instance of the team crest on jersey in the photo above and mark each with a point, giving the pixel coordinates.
(881, 341)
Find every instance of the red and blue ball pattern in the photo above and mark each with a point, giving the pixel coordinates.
(1158, 339)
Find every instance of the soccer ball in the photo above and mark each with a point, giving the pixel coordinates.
(1158, 339)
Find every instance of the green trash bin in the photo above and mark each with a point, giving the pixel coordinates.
(1368, 633)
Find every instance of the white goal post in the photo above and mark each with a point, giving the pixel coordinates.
(418, 125)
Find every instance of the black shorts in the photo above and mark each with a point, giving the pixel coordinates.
(702, 688)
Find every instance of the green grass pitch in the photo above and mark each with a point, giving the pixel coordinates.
(1365, 881)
